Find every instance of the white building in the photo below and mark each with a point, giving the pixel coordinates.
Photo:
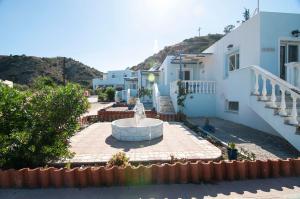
(115, 78)
(250, 76)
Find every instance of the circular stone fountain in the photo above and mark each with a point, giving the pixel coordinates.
(138, 128)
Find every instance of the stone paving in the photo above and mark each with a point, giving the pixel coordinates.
(264, 146)
(95, 107)
(95, 144)
(288, 188)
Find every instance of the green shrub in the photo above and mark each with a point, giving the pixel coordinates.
(35, 125)
(110, 92)
(119, 159)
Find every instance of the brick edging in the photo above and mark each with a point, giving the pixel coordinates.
(188, 172)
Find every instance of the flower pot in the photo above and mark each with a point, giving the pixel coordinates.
(18, 178)
(275, 168)
(128, 175)
(219, 170)
(184, 172)
(207, 171)
(32, 178)
(109, 176)
(148, 175)
(242, 169)
(264, 169)
(120, 176)
(194, 172)
(252, 166)
(160, 174)
(285, 167)
(44, 177)
(95, 174)
(56, 177)
(171, 169)
(81, 177)
(69, 177)
(142, 175)
(232, 154)
(296, 163)
(230, 170)
(5, 179)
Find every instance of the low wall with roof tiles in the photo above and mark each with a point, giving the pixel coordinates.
(109, 116)
(189, 172)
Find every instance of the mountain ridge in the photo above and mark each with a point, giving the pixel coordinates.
(22, 69)
(192, 45)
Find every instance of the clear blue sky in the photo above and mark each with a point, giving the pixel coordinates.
(115, 34)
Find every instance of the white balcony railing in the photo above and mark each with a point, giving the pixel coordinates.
(196, 86)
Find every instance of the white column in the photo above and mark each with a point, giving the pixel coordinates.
(294, 114)
(282, 110)
(256, 86)
(273, 96)
(264, 89)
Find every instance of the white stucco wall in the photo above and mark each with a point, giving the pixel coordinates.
(273, 28)
(236, 86)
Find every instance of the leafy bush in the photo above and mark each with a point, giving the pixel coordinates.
(119, 159)
(102, 96)
(110, 92)
(35, 125)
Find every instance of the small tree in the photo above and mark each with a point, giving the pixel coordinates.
(110, 92)
(228, 28)
(35, 126)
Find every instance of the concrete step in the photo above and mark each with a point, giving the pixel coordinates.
(164, 97)
(287, 121)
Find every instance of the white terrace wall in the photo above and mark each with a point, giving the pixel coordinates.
(273, 27)
(234, 86)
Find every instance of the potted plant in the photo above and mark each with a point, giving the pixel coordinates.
(232, 151)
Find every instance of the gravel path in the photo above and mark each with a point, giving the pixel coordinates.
(264, 146)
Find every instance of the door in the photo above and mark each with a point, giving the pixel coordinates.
(282, 62)
(187, 75)
(288, 53)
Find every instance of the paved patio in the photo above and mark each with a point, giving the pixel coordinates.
(264, 146)
(95, 144)
(263, 188)
(95, 107)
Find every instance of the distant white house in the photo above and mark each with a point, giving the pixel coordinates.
(115, 78)
(251, 76)
(7, 82)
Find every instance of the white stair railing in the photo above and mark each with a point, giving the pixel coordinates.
(156, 97)
(284, 88)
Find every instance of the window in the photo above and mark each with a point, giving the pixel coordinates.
(113, 76)
(293, 53)
(234, 61)
(232, 106)
(186, 74)
(125, 75)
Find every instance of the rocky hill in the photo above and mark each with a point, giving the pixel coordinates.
(23, 69)
(193, 45)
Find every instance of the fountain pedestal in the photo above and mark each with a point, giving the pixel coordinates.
(126, 130)
(138, 128)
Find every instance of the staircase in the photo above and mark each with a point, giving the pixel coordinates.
(165, 105)
(162, 104)
(278, 103)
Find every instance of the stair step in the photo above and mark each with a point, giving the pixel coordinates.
(287, 121)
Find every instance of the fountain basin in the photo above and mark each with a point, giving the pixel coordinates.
(127, 130)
